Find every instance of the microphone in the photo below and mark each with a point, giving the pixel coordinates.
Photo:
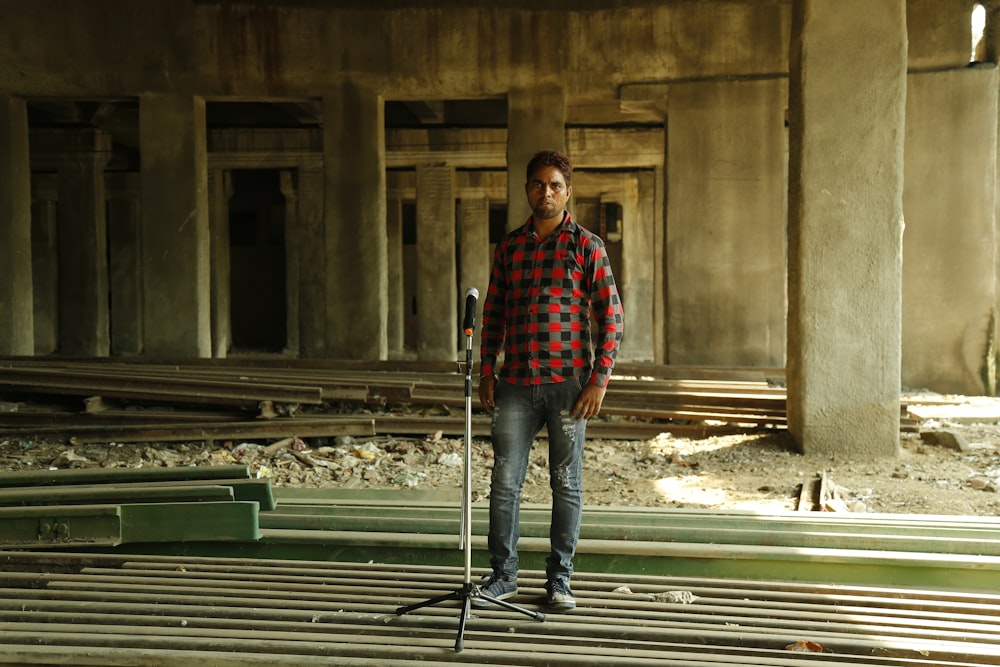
(471, 295)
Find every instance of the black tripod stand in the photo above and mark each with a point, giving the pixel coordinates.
(469, 590)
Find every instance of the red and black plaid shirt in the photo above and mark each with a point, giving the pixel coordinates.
(539, 303)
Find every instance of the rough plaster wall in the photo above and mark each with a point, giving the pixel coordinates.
(949, 242)
(940, 33)
(726, 223)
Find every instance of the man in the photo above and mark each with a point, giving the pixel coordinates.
(548, 277)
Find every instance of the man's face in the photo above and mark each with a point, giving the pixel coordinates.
(547, 193)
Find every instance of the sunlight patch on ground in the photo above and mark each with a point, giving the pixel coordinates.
(692, 489)
(702, 491)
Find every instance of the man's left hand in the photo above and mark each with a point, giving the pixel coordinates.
(589, 403)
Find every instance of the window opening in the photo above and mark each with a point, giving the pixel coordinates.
(978, 28)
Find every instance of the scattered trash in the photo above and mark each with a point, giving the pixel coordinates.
(450, 459)
(68, 458)
(805, 647)
(409, 479)
(245, 448)
(669, 597)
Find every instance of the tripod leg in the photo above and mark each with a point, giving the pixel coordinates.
(456, 595)
(535, 615)
(460, 639)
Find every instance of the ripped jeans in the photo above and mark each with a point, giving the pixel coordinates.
(519, 415)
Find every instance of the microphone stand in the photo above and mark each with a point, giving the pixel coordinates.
(469, 590)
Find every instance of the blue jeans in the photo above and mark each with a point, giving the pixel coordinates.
(518, 416)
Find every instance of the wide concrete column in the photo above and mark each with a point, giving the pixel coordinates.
(846, 114)
(16, 307)
(354, 167)
(474, 256)
(536, 120)
(84, 316)
(437, 293)
(175, 232)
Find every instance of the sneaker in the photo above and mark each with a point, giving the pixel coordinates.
(560, 595)
(497, 588)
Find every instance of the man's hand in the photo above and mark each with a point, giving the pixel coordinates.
(588, 404)
(487, 384)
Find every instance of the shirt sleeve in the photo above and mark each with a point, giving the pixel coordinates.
(494, 316)
(608, 314)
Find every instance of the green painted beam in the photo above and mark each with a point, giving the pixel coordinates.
(109, 525)
(184, 522)
(103, 494)
(110, 475)
(33, 527)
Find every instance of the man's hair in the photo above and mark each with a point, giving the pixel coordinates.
(550, 158)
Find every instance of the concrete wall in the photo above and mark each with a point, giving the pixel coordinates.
(949, 243)
(726, 166)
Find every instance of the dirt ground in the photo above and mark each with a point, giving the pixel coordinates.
(757, 470)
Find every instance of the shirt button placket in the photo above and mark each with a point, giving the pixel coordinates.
(536, 290)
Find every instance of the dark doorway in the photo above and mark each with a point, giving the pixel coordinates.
(258, 301)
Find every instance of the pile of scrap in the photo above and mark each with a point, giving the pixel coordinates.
(132, 401)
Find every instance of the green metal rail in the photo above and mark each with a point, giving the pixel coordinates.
(221, 512)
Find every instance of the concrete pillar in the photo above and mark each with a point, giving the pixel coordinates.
(636, 279)
(661, 341)
(16, 303)
(474, 258)
(312, 265)
(293, 244)
(175, 231)
(437, 293)
(45, 261)
(536, 120)
(357, 276)
(220, 188)
(397, 303)
(846, 115)
(125, 264)
(84, 315)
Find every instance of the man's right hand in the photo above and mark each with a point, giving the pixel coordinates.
(487, 385)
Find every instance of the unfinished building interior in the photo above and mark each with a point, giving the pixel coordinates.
(798, 189)
(323, 180)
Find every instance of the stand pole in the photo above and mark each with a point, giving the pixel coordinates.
(469, 590)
